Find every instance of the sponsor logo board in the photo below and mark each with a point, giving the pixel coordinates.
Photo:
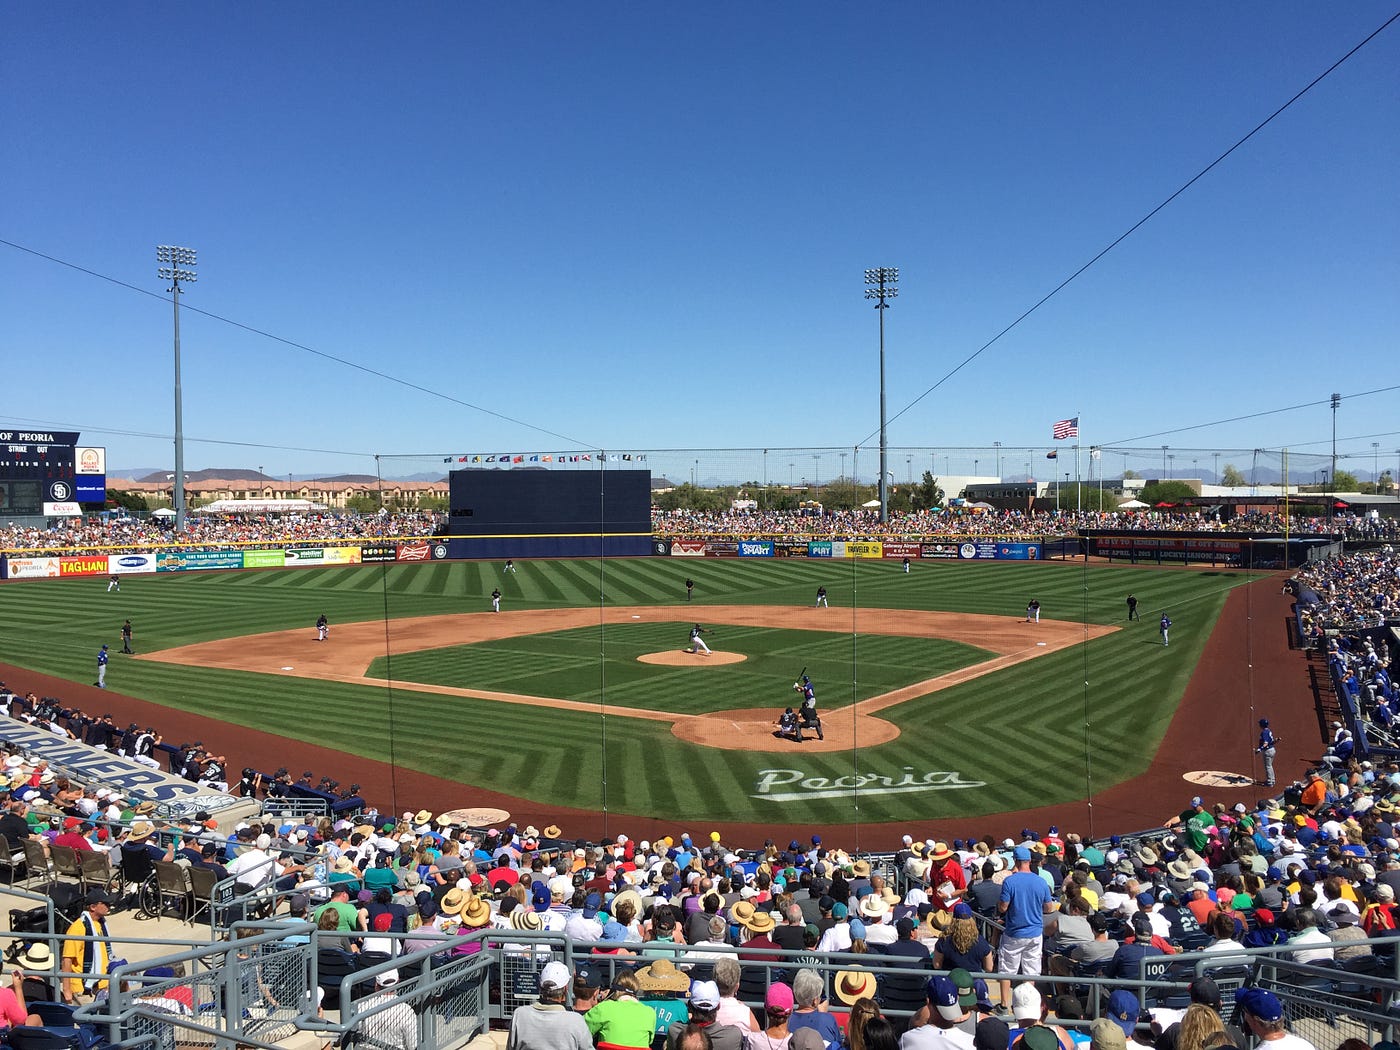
(797, 786)
(901, 549)
(90, 461)
(377, 553)
(90, 489)
(819, 549)
(33, 568)
(264, 559)
(938, 550)
(1018, 551)
(305, 556)
(414, 552)
(982, 550)
(180, 561)
(722, 548)
(661, 548)
(94, 565)
(864, 549)
(67, 509)
(439, 551)
(687, 548)
(122, 564)
(342, 556)
(755, 548)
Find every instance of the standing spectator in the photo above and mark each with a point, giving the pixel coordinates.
(545, 1024)
(1025, 900)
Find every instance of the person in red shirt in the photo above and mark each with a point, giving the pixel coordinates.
(73, 835)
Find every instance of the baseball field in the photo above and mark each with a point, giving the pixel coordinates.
(937, 697)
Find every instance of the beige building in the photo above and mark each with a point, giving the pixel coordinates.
(334, 494)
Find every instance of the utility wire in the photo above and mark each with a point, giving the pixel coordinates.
(292, 343)
(197, 440)
(1137, 225)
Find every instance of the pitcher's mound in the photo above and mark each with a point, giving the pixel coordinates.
(683, 658)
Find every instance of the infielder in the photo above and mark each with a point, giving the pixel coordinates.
(114, 584)
(496, 600)
(697, 644)
(323, 628)
(821, 598)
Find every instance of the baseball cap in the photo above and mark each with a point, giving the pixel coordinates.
(1025, 1000)
(943, 997)
(1260, 1003)
(1196, 801)
(1039, 1037)
(991, 1034)
(704, 994)
(1123, 1009)
(1022, 853)
(1104, 1034)
(1204, 990)
(555, 975)
(961, 910)
(967, 992)
(588, 977)
(779, 997)
(591, 905)
(839, 911)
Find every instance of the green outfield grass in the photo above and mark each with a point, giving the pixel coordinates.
(995, 731)
(595, 664)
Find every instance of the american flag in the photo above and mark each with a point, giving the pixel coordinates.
(1066, 428)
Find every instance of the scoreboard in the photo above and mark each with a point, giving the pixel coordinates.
(48, 473)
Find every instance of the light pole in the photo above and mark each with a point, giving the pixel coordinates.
(817, 469)
(843, 466)
(1164, 462)
(1217, 467)
(694, 473)
(997, 446)
(1376, 465)
(790, 466)
(177, 265)
(884, 279)
(909, 466)
(975, 463)
(1336, 402)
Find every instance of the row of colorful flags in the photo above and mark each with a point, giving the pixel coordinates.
(545, 457)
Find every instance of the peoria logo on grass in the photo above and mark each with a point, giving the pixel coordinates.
(805, 787)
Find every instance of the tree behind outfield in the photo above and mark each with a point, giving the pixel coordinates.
(1232, 477)
(1166, 492)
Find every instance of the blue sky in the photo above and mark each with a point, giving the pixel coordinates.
(645, 226)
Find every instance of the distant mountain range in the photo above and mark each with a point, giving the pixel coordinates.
(158, 474)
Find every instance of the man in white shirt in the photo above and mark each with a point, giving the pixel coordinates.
(1263, 1015)
(1309, 944)
(950, 1026)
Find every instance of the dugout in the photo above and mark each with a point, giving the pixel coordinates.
(533, 513)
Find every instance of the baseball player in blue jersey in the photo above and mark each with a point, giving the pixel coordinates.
(1164, 627)
(101, 682)
(1268, 747)
(810, 720)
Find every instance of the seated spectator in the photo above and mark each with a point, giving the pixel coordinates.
(623, 1019)
(546, 1024)
(810, 1009)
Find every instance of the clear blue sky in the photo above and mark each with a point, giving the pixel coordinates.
(645, 226)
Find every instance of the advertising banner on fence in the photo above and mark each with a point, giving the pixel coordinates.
(722, 548)
(819, 549)
(264, 559)
(94, 565)
(661, 548)
(938, 550)
(180, 561)
(687, 548)
(121, 564)
(65, 509)
(864, 549)
(755, 548)
(33, 568)
(304, 556)
(414, 552)
(900, 549)
(1018, 551)
(377, 552)
(791, 549)
(981, 550)
(341, 555)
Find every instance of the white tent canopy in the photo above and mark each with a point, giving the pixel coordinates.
(871, 503)
(260, 506)
(163, 512)
(1132, 504)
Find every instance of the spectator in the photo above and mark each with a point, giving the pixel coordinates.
(545, 1024)
(1263, 1015)
(810, 1010)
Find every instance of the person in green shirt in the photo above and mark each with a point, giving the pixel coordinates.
(348, 916)
(622, 1018)
(1194, 822)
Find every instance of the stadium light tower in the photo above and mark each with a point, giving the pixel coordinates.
(884, 279)
(177, 264)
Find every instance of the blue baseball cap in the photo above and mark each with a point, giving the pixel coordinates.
(591, 905)
(943, 997)
(1260, 1003)
(1022, 853)
(1123, 1010)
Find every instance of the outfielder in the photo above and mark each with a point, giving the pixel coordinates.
(697, 644)
(1164, 626)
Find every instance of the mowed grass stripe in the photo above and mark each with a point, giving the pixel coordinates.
(56, 626)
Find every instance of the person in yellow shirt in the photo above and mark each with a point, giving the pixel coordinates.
(87, 956)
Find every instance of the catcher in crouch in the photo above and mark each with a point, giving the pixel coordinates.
(808, 714)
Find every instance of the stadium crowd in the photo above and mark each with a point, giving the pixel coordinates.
(209, 533)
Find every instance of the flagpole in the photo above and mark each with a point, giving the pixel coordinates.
(1078, 478)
